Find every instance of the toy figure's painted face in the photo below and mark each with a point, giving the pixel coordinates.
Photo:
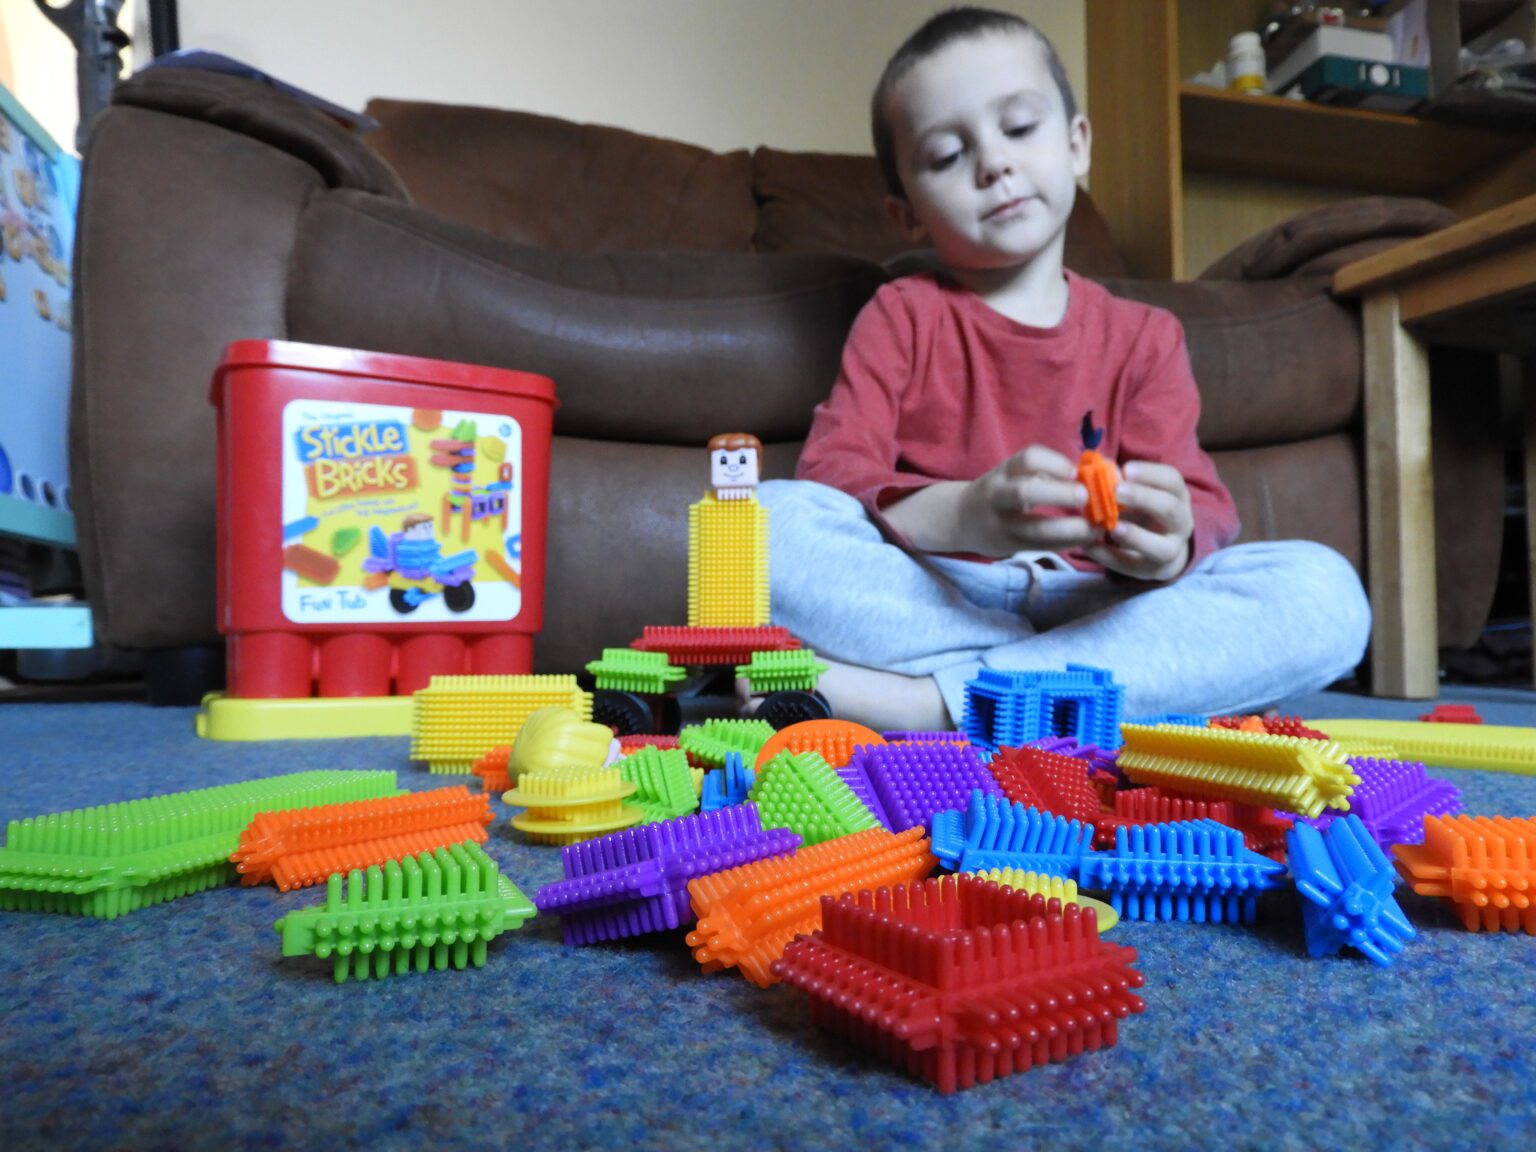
(421, 530)
(733, 468)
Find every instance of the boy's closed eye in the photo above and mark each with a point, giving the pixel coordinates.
(943, 155)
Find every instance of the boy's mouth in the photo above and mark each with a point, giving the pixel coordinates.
(1007, 208)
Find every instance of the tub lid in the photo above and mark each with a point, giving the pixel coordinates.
(380, 366)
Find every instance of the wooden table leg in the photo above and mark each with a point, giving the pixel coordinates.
(1400, 512)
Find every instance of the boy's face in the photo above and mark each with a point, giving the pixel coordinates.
(987, 158)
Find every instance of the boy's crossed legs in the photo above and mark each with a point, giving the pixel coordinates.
(902, 635)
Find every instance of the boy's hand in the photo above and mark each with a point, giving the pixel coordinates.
(1000, 512)
(1151, 542)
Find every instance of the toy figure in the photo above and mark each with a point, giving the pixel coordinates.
(1100, 477)
(728, 540)
(416, 569)
(735, 465)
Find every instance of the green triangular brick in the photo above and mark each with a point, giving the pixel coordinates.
(802, 792)
(427, 912)
(663, 782)
(713, 740)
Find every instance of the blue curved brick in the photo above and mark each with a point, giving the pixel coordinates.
(1191, 870)
(1346, 884)
(995, 833)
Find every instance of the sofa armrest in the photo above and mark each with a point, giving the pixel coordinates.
(184, 242)
(259, 111)
(1318, 242)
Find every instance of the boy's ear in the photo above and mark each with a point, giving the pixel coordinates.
(899, 209)
(1080, 142)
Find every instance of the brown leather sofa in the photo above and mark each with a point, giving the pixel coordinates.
(670, 291)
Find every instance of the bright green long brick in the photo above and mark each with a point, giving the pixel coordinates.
(663, 781)
(803, 793)
(713, 740)
(630, 670)
(114, 859)
(794, 670)
(427, 912)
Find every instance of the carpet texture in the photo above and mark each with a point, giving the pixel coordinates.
(180, 1027)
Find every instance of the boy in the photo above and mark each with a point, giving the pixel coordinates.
(936, 524)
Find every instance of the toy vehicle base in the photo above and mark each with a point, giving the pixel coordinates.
(651, 714)
(781, 709)
(306, 718)
(637, 713)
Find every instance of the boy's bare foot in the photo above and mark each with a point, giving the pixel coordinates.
(884, 701)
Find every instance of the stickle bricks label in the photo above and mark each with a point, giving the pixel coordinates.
(349, 458)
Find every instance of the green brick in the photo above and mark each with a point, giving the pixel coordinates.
(802, 792)
(794, 670)
(114, 859)
(424, 913)
(663, 781)
(629, 670)
(713, 740)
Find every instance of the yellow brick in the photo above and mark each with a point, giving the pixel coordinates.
(457, 719)
(727, 563)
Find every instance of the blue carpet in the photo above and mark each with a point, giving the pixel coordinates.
(180, 1026)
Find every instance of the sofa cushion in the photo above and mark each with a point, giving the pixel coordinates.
(660, 348)
(618, 541)
(568, 187)
(1276, 361)
(835, 202)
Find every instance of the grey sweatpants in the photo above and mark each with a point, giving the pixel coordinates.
(1246, 627)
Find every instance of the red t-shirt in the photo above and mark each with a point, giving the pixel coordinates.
(936, 385)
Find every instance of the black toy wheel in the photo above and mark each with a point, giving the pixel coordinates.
(399, 603)
(666, 715)
(460, 597)
(781, 709)
(627, 713)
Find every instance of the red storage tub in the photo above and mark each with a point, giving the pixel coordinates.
(381, 519)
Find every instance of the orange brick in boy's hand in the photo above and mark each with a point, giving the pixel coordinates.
(1100, 477)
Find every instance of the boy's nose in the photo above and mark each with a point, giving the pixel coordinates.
(992, 163)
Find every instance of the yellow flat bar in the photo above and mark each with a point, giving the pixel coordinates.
(1487, 746)
(309, 718)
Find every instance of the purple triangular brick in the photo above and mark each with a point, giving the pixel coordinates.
(913, 781)
(857, 779)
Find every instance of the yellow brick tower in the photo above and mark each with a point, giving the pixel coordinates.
(727, 563)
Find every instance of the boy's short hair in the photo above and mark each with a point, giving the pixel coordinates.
(939, 31)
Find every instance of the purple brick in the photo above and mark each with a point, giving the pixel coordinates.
(854, 775)
(1066, 746)
(935, 737)
(636, 881)
(1392, 799)
(914, 781)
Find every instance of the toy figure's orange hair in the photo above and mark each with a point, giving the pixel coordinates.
(729, 440)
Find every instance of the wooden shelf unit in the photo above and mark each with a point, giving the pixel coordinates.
(1255, 160)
